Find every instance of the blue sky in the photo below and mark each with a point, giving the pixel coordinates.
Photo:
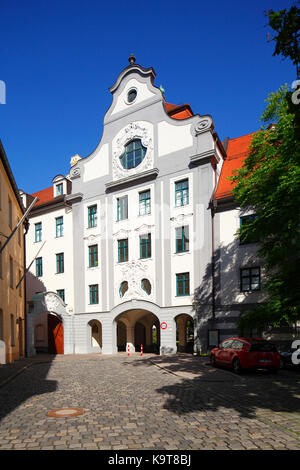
(58, 59)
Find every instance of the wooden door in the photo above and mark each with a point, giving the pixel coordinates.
(55, 335)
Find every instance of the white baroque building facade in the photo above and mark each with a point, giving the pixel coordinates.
(129, 249)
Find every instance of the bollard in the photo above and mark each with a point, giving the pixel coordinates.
(128, 350)
(141, 349)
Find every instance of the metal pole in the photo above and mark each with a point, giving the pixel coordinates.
(18, 225)
(27, 269)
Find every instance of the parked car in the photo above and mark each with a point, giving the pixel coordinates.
(287, 358)
(246, 353)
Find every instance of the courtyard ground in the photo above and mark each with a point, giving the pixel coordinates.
(145, 402)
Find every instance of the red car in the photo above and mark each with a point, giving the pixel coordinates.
(246, 353)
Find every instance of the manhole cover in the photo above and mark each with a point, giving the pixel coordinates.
(65, 412)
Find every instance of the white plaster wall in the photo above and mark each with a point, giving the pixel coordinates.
(50, 281)
(143, 93)
(234, 256)
(135, 269)
(97, 165)
(172, 138)
(181, 262)
(91, 236)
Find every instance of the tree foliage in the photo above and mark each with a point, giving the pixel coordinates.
(286, 25)
(269, 183)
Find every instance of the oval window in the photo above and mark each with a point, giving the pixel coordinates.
(133, 155)
(131, 95)
(146, 286)
(123, 288)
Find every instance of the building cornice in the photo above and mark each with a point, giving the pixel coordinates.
(134, 179)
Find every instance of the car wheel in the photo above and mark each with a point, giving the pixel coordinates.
(236, 366)
(282, 364)
(213, 360)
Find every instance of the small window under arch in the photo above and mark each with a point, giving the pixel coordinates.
(123, 288)
(146, 286)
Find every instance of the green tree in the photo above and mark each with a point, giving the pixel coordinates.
(269, 183)
(286, 25)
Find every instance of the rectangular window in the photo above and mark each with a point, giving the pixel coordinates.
(182, 193)
(92, 216)
(122, 208)
(59, 189)
(39, 267)
(93, 256)
(19, 233)
(10, 213)
(183, 284)
(60, 263)
(250, 279)
(1, 325)
(144, 203)
(145, 246)
(61, 293)
(38, 232)
(182, 239)
(244, 220)
(59, 226)
(94, 294)
(20, 284)
(123, 250)
(11, 273)
(12, 331)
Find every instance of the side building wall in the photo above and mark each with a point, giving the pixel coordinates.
(12, 315)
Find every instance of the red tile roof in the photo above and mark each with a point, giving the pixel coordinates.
(182, 111)
(45, 195)
(237, 151)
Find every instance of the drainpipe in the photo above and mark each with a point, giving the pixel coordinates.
(213, 207)
(26, 224)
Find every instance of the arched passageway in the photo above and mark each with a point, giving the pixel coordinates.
(184, 333)
(138, 327)
(95, 335)
(49, 334)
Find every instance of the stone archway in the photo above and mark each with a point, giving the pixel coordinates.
(49, 325)
(184, 333)
(95, 335)
(135, 329)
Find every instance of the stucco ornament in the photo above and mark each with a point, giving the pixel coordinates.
(203, 125)
(133, 272)
(135, 130)
(75, 172)
(75, 159)
(52, 302)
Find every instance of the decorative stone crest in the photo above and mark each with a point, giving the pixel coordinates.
(135, 130)
(203, 125)
(75, 159)
(75, 173)
(133, 272)
(52, 302)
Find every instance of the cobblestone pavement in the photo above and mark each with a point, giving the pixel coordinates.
(149, 402)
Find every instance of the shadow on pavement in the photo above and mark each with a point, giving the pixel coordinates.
(19, 382)
(201, 387)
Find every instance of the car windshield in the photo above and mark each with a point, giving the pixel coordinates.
(262, 346)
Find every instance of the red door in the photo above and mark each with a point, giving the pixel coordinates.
(55, 335)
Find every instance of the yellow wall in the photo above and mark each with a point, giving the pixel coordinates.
(11, 299)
